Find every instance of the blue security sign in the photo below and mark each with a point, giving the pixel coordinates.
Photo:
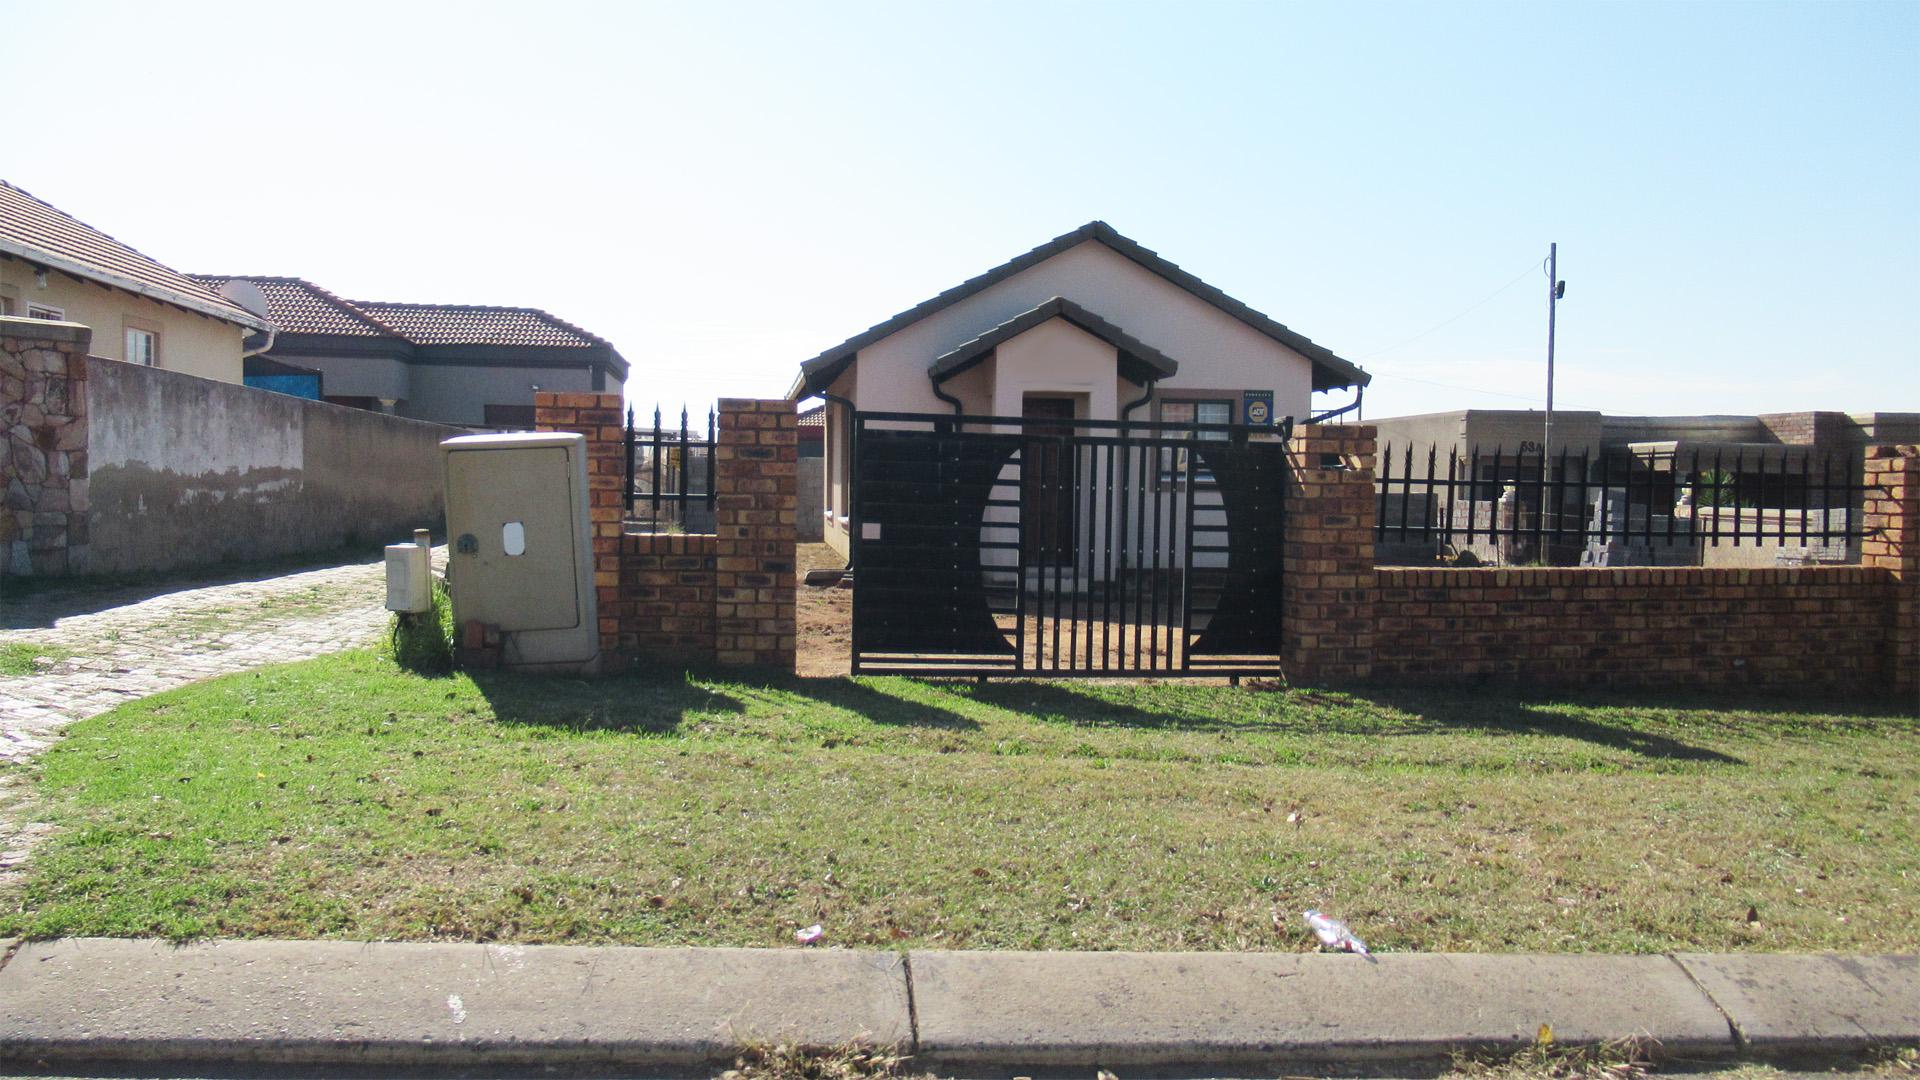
(1257, 408)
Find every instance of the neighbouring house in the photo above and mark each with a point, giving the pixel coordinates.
(56, 267)
(469, 365)
(1088, 326)
(811, 435)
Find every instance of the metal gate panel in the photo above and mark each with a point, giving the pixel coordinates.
(1003, 546)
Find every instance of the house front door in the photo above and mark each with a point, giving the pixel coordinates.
(1047, 482)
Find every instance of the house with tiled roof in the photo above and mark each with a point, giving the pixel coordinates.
(55, 266)
(1090, 328)
(469, 365)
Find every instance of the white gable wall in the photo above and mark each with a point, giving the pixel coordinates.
(1216, 352)
(1055, 357)
(1214, 349)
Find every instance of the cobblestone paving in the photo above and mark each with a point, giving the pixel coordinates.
(126, 643)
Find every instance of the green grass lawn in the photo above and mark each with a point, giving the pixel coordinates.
(343, 798)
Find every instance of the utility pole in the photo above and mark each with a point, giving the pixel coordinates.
(1555, 290)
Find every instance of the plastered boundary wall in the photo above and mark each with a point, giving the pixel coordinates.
(110, 467)
(1348, 621)
(724, 597)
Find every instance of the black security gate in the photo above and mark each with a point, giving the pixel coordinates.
(988, 545)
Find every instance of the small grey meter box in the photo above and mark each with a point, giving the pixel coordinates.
(520, 546)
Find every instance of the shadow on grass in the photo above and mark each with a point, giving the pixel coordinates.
(1392, 712)
(1676, 726)
(1536, 714)
(658, 700)
(654, 702)
(878, 705)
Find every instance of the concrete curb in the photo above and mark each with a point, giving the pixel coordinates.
(89, 1003)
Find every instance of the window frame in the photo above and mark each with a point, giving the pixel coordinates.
(57, 314)
(126, 344)
(1173, 461)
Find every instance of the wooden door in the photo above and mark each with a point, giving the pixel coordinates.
(1047, 482)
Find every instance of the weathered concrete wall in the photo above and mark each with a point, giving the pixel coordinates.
(188, 471)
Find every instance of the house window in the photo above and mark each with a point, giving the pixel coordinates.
(1173, 463)
(143, 347)
(1197, 412)
(41, 311)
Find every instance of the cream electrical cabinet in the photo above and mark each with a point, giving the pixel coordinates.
(520, 547)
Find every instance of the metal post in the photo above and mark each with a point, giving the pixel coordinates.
(656, 469)
(1554, 289)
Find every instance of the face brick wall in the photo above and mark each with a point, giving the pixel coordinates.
(1892, 511)
(1840, 626)
(1691, 626)
(1329, 582)
(726, 596)
(729, 596)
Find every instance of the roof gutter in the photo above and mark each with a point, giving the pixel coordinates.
(271, 334)
(1127, 410)
(235, 315)
(958, 407)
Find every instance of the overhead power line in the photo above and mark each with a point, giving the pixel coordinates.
(1530, 268)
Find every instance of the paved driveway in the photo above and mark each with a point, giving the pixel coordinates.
(127, 642)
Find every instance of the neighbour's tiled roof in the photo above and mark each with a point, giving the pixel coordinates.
(814, 417)
(298, 306)
(31, 227)
(477, 324)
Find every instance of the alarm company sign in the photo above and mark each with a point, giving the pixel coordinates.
(1257, 408)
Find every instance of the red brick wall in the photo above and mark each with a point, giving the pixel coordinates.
(727, 597)
(665, 600)
(1691, 626)
(1892, 513)
(1329, 583)
(1852, 626)
(757, 464)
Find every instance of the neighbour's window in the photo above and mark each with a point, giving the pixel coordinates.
(143, 346)
(41, 311)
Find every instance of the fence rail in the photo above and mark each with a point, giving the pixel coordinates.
(1655, 500)
(669, 470)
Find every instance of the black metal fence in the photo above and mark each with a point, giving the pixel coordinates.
(1620, 506)
(670, 471)
(987, 545)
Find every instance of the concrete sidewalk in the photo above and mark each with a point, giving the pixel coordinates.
(93, 1003)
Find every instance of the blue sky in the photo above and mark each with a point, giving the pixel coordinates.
(726, 189)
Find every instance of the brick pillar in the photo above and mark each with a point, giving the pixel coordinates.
(756, 464)
(43, 447)
(1893, 519)
(597, 416)
(1330, 578)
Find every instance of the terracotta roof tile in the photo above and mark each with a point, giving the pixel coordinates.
(38, 227)
(298, 306)
(477, 324)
